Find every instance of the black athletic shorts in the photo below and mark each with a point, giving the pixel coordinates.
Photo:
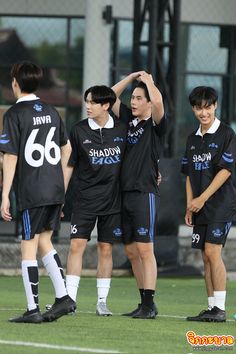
(139, 216)
(108, 226)
(213, 233)
(40, 219)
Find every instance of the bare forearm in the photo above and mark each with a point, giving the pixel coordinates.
(9, 168)
(121, 85)
(67, 170)
(189, 192)
(220, 178)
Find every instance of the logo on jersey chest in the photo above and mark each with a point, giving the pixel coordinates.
(105, 156)
(201, 162)
(133, 137)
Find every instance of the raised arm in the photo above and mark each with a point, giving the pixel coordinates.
(121, 86)
(155, 96)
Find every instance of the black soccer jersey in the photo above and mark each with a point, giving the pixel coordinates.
(96, 157)
(144, 144)
(205, 156)
(34, 132)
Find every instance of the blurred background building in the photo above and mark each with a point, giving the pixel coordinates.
(79, 43)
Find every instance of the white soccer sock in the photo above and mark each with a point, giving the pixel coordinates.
(103, 286)
(220, 297)
(31, 280)
(55, 271)
(211, 302)
(72, 285)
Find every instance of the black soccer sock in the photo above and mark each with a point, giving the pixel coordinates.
(141, 291)
(148, 297)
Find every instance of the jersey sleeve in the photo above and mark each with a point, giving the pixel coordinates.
(125, 113)
(63, 134)
(10, 138)
(228, 157)
(160, 129)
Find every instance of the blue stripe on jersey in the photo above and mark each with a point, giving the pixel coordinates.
(227, 157)
(184, 161)
(152, 210)
(2, 141)
(26, 224)
(227, 227)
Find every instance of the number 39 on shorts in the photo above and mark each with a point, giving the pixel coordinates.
(195, 238)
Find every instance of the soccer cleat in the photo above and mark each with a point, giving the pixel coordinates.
(213, 315)
(146, 313)
(49, 306)
(200, 317)
(234, 316)
(33, 316)
(102, 309)
(59, 309)
(134, 312)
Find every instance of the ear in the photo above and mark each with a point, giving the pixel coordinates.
(14, 82)
(216, 105)
(106, 106)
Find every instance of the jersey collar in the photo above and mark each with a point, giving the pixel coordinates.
(94, 126)
(212, 129)
(29, 97)
(135, 121)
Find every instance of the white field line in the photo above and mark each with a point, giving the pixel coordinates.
(59, 347)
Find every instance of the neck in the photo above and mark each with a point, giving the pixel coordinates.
(22, 94)
(205, 128)
(102, 120)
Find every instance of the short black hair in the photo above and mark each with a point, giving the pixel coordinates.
(101, 94)
(27, 75)
(143, 86)
(201, 94)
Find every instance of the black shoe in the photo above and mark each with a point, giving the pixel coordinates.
(33, 316)
(200, 317)
(134, 312)
(59, 308)
(215, 315)
(145, 312)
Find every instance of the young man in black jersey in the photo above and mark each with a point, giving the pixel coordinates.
(140, 192)
(36, 151)
(98, 144)
(209, 164)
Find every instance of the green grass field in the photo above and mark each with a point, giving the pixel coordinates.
(87, 333)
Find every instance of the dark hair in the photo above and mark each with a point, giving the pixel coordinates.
(27, 75)
(201, 94)
(101, 94)
(143, 86)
